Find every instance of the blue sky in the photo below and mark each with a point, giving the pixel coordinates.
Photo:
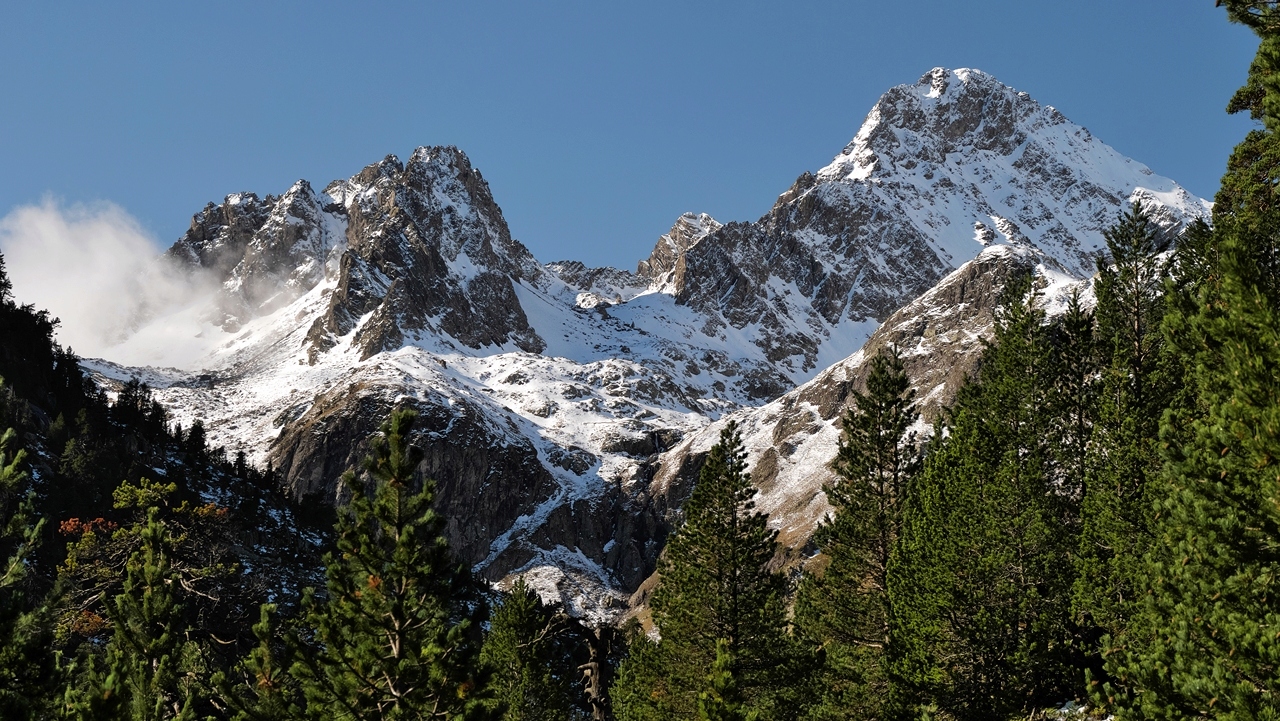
(595, 123)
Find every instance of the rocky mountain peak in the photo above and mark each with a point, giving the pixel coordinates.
(443, 199)
(981, 154)
(945, 112)
(689, 228)
(388, 168)
(285, 258)
(939, 170)
(429, 252)
(424, 241)
(219, 233)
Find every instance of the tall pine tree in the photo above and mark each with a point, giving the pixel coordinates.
(1073, 395)
(531, 648)
(1137, 385)
(715, 584)
(978, 583)
(846, 609)
(397, 636)
(1204, 641)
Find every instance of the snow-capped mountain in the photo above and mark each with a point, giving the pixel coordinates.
(563, 407)
(938, 171)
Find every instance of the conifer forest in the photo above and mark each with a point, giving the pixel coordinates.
(1090, 530)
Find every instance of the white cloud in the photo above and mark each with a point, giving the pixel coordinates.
(95, 268)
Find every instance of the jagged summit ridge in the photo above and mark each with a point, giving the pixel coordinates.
(961, 108)
(998, 167)
(689, 228)
(939, 170)
(285, 258)
(551, 396)
(429, 253)
(422, 245)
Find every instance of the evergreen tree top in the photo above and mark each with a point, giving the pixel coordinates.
(6, 285)
(398, 635)
(1262, 16)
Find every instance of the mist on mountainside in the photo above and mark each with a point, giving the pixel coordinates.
(98, 271)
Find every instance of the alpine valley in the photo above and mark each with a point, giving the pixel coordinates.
(565, 410)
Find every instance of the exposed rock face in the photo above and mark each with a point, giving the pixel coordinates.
(285, 258)
(599, 286)
(429, 252)
(421, 245)
(219, 234)
(482, 488)
(688, 230)
(565, 410)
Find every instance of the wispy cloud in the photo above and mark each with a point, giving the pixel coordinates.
(95, 268)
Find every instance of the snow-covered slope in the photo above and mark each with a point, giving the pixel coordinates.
(551, 396)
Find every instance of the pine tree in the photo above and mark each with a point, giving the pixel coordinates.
(1124, 454)
(398, 635)
(26, 667)
(714, 585)
(846, 609)
(265, 691)
(195, 442)
(1073, 396)
(723, 702)
(978, 584)
(530, 649)
(150, 672)
(647, 680)
(1203, 640)
(6, 285)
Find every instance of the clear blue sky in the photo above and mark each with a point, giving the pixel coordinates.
(596, 123)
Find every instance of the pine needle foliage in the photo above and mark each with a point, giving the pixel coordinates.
(6, 285)
(259, 687)
(530, 650)
(1138, 382)
(846, 609)
(151, 671)
(715, 584)
(977, 582)
(1073, 394)
(722, 701)
(1203, 642)
(397, 636)
(26, 665)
